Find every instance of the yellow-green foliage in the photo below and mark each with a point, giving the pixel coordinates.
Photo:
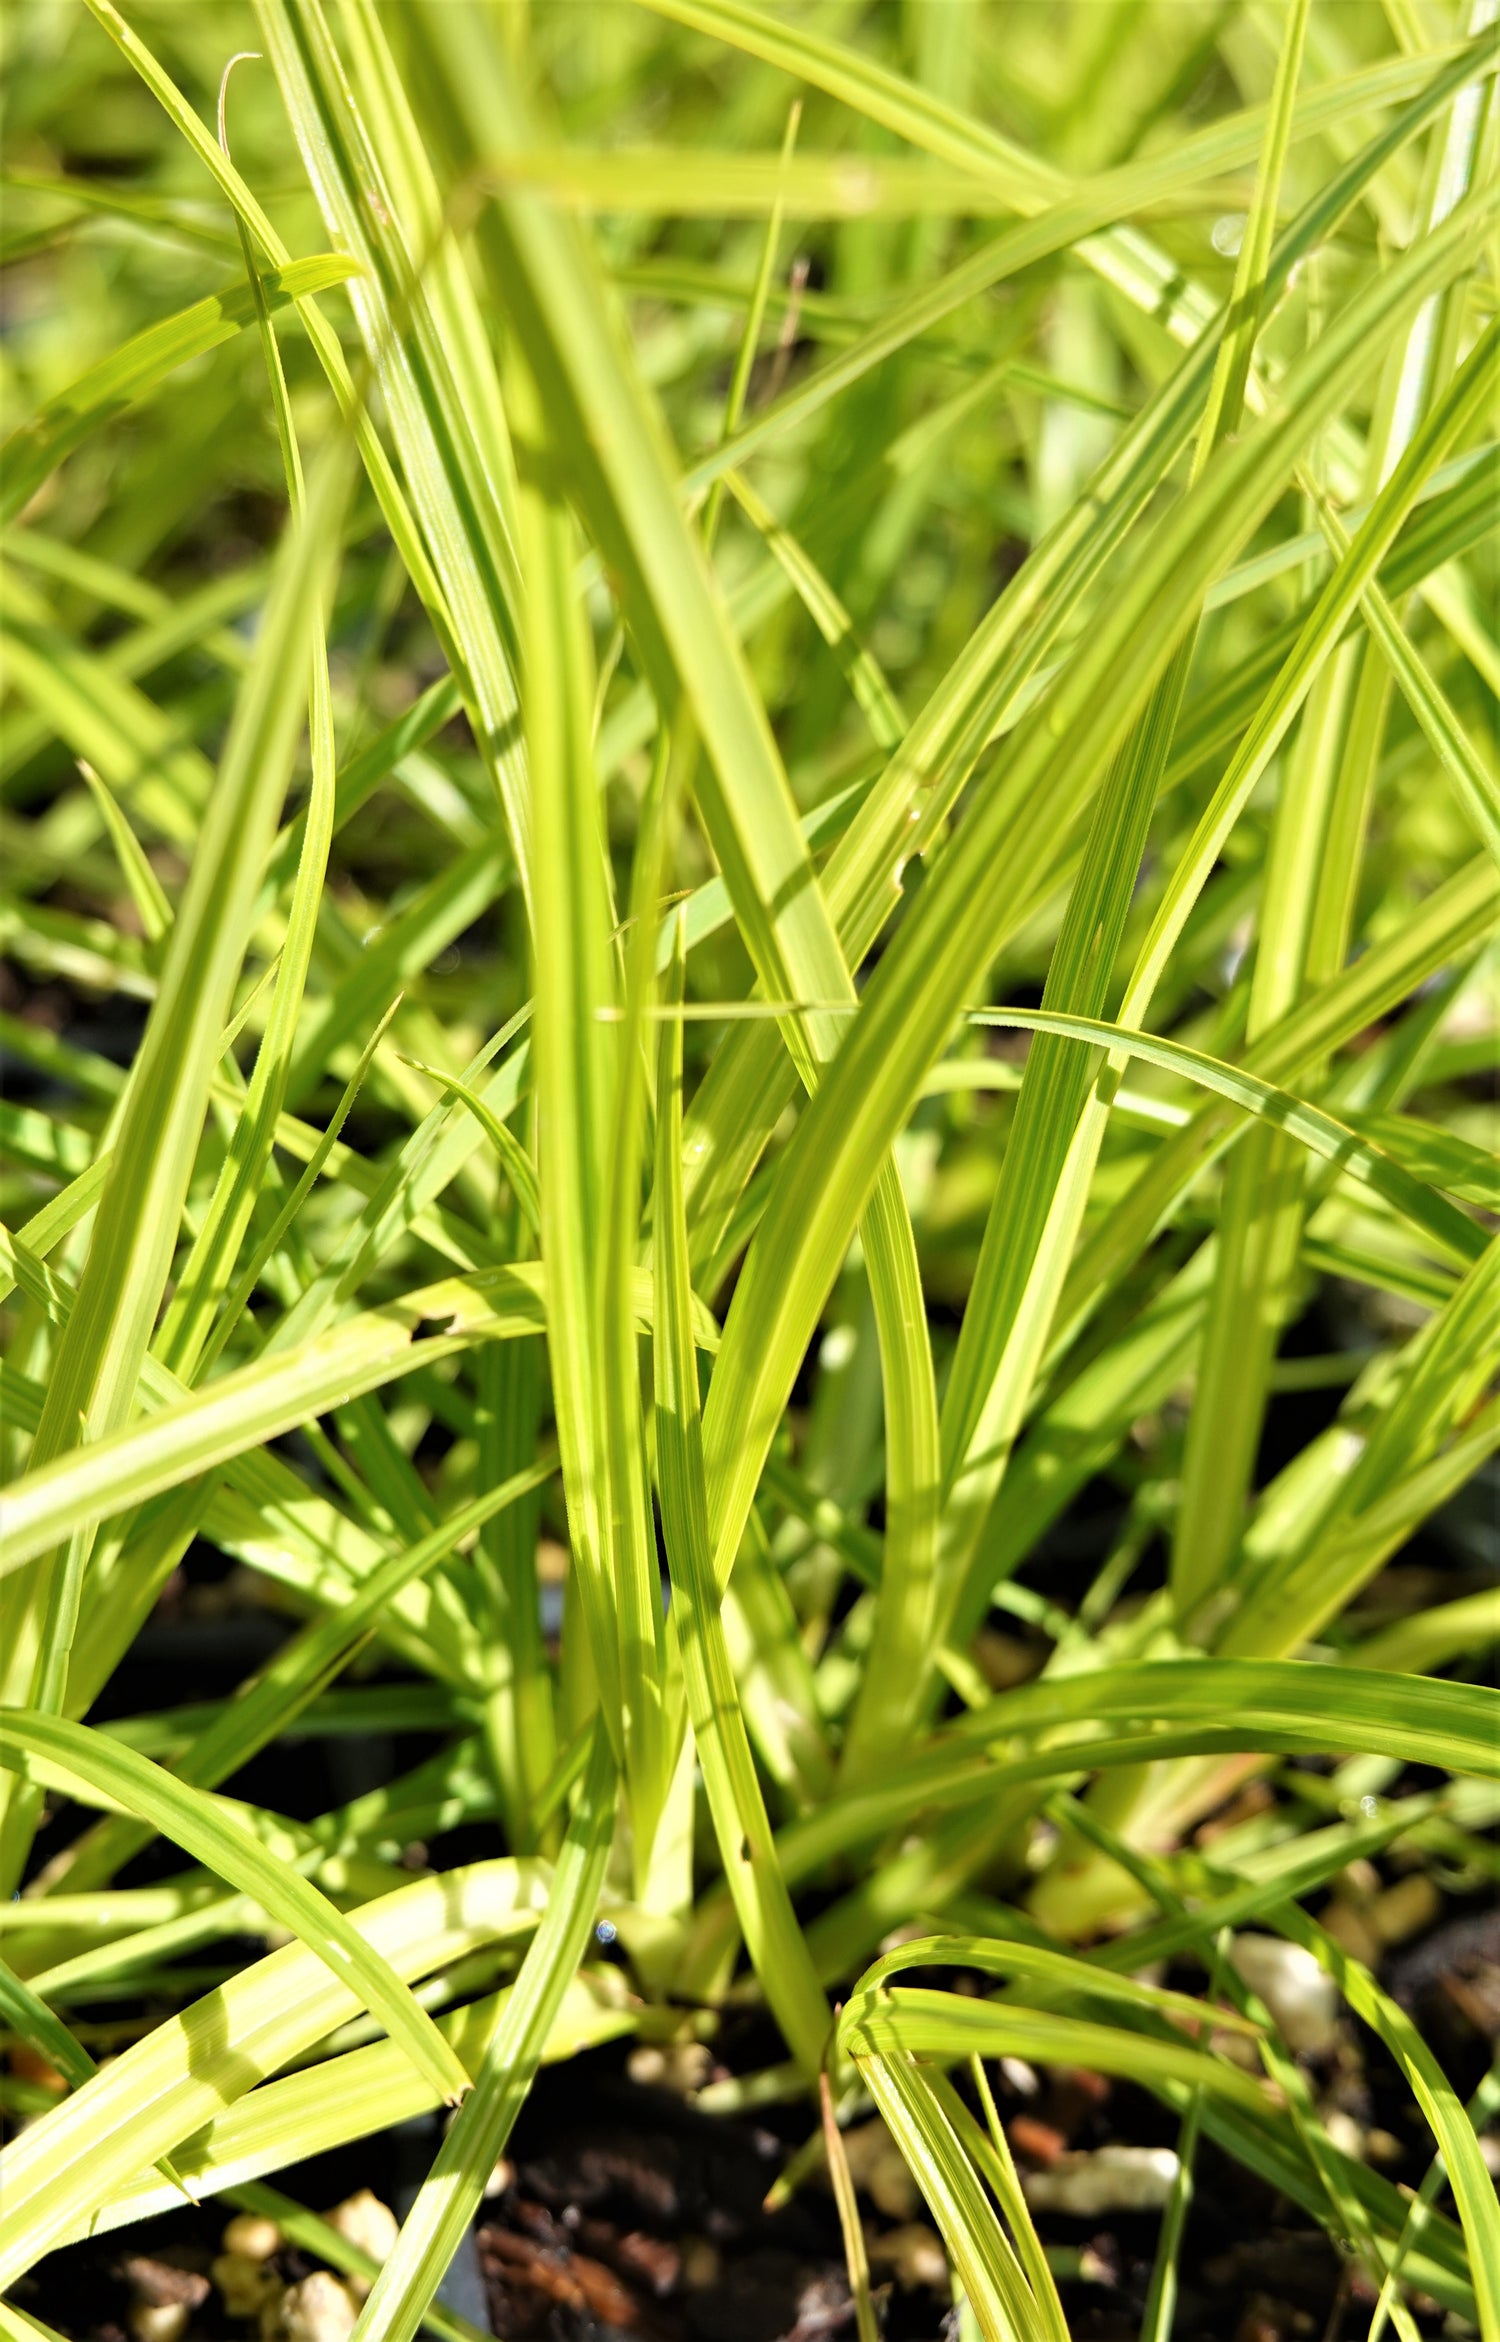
(601, 597)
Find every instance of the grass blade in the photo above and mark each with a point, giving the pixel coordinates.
(746, 1847)
(451, 2193)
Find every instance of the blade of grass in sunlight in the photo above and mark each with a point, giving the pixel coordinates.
(735, 1801)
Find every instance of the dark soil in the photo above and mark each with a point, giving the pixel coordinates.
(624, 2211)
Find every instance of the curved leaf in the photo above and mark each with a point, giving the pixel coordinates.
(1438, 1219)
(133, 372)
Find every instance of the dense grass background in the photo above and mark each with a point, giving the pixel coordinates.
(750, 845)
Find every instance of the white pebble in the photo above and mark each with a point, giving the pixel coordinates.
(252, 2236)
(1107, 2179)
(1303, 2000)
(364, 2220)
(320, 2309)
(679, 2066)
(158, 2321)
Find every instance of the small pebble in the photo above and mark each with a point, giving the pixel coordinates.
(915, 2255)
(1303, 2000)
(158, 2321)
(1037, 2142)
(253, 2236)
(320, 2309)
(679, 2066)
(162, 2298)
(1074, 2094)
(1107, 2179)
(245, 2285)
(162, 2284)
(364, 2220)
(876, 2165)
(1349, 1925)
(1239, 2048)
(1099, 2262)
(1405, 1909)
